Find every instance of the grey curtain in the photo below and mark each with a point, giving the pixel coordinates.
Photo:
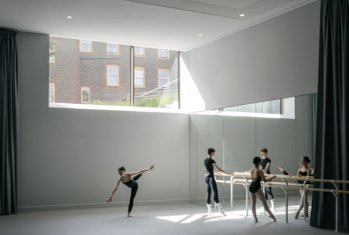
(332, 142)
(8, 121)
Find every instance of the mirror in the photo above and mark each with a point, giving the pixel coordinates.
(284, 126)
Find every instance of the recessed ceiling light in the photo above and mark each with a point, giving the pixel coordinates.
(200, 35)
(69, 17)
(242, 15)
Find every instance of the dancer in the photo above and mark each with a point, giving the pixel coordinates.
(211, 182)
(257, 176)
(126, 178)
(266, 164)
(304, 170)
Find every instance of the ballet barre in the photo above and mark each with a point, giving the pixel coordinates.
(285, 182)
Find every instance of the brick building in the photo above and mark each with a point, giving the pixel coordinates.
(83, 71)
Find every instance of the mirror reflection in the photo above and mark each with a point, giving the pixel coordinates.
(285, 127)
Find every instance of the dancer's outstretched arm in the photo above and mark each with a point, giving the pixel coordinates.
(142, 171)
(220, 169)
(281, 169)
(265, 179)
(114, 191)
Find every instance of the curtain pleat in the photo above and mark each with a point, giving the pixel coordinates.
(8, 121)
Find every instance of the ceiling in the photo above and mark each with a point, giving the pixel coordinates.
(173, 24)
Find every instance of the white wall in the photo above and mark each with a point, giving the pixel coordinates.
(69, 156)
(274, 59)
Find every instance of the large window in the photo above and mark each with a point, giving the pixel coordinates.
(112, 75)
(100, 78)
(161, 80)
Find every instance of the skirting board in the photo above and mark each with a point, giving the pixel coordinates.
(100, 205)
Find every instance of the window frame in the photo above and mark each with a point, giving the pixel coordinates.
(90, 47)
(117, 75)
(113, 53)
(140, 55)
(168, 79)
(163, 57)
(143, 78)
(82, 97)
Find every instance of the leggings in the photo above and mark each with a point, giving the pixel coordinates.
(268, 193)
(211, 185)
(261, 197)
(134, 188)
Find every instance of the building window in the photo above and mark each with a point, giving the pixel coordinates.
(113, 49)
(85, 46)
(112, 75)
(52, 92)
(85, 95)
(164, 77)
(139, 51)
(163, 54)
(139, 77)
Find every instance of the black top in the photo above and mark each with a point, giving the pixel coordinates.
(303, 173)
(264, 163)
(209, 166)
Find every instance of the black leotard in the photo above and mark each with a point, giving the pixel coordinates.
(303, 173)
(255, 185)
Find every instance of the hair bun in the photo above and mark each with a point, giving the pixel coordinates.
(256, 160)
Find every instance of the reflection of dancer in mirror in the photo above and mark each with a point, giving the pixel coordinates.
(266, 164)
(210, 180)
(304, 170)
(126, 178)
(257, 176)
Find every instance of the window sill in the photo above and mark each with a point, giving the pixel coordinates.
(114, 108)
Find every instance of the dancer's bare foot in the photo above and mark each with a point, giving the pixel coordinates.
(129, 215)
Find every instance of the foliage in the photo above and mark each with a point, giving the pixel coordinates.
(153, 102)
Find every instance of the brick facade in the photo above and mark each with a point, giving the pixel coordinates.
(73, 69)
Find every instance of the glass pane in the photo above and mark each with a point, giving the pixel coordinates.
(159, 79)
(268, 107)
(112, 48)
(139, 51)
(107, 76)
(272, 107)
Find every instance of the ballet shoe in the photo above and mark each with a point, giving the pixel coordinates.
(220, 209)
(296, 216)
(272, 217)
(209, 209)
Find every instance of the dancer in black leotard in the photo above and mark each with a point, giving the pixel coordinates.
(211, 182)
(257, 176)
(126, 178)
(304, 170)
